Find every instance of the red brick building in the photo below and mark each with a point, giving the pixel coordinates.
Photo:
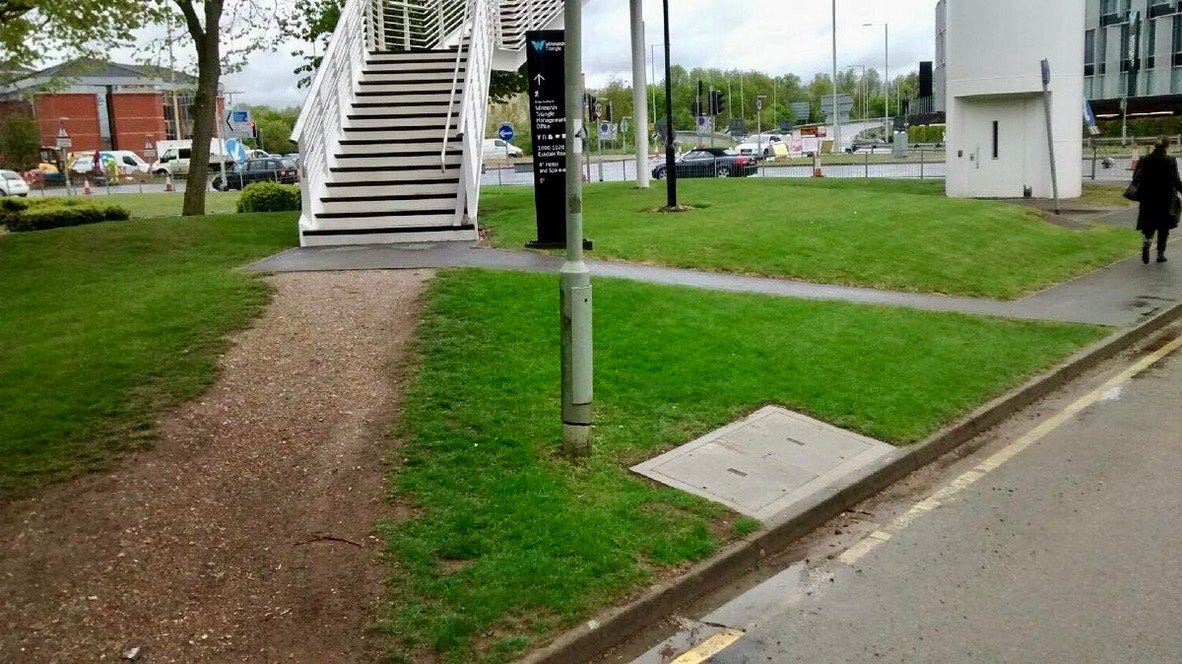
(105, 105)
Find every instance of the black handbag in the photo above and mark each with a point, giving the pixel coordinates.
(1133, 191)
(1175, 210)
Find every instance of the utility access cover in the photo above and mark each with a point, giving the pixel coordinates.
(761, 464)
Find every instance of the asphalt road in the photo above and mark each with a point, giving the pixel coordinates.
(1067, 550)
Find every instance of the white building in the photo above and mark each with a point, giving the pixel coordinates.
(997, 127)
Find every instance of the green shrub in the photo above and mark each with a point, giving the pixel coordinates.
(269, 197)
(49, 213)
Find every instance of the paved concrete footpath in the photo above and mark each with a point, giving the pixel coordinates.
(1120, 295)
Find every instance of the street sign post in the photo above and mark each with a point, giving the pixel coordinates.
(238, 124)
(149, 149)
(545, 58)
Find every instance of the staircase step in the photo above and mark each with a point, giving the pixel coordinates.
(399, 170)
(382, 162)
(420, 147)
(412, 88)
(388, 204)
(407, 98)
(378, 132)
(429, 138)
(368, 188)
(413, 73)
(381, 233)
(441, 214)
(399, 154)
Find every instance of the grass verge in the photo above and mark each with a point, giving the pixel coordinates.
(510, 542)
(151, 205)
(898, 235)
(102, 326)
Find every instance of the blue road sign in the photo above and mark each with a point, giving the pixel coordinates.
(506, 132)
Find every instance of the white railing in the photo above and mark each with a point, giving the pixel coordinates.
(408, 25)
(318, 129)
(455, 84)
(474, 107)
(518, 16)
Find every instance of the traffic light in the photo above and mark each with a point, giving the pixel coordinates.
(717, 102)
(594, 108)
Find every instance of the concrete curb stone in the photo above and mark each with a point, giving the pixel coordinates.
(613, 626)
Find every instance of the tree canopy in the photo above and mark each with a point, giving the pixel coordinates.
(29, 29)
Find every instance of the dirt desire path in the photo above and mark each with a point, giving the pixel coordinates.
(246, 533)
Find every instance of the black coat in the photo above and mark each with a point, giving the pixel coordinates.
(1157, 178)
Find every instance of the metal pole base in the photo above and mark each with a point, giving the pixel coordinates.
(576, 440)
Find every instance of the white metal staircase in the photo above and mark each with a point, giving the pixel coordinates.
(392, 131)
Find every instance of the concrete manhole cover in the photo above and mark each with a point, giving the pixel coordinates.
(761, 464)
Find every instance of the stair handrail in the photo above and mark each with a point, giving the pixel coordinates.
(455, 80)
(474, 107)
(322, 116)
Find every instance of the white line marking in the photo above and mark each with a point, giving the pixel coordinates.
(995, 461)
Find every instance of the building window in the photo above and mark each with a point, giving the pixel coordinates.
(1126, 37)
(1109, 13)
(1102, 51)
(995, 139)
(1177, 47)
(1161, 8)
(1089, 53)
(1151, 45)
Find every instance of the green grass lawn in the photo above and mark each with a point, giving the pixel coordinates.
(102, 326)
(1103, 195)
(510, 542)
(898, 235)
(145, 206)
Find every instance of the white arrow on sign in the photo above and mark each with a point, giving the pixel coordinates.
(540, 79)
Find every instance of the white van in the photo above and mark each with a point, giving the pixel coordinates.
(495, 148)
(175, 158)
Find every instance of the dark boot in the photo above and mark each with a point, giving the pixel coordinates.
(1161, 258)
(1145, 252)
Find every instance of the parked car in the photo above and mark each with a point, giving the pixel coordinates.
(12, 184)
(709, 163)
(872, 144)
(272, 169)
(495, 148)
(762, 146)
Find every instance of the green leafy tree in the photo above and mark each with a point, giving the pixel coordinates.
(223, 33)
(31, 28)
(20, 140)
(274, 128)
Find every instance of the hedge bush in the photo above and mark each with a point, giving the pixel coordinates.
(39, 215)
(269, 197)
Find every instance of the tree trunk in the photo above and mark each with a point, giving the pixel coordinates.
(209, 72)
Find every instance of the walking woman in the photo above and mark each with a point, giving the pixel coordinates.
(1156, 183)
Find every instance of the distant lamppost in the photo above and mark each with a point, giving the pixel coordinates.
(670, 156)
(836, 118)
(886, 75)
(861, 88)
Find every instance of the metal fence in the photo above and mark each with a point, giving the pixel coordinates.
(918, 164)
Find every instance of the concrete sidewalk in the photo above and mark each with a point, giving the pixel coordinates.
(1120, 295)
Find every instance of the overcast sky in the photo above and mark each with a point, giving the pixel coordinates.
(774, 36)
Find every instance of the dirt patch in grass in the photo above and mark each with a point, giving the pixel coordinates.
(246, 534)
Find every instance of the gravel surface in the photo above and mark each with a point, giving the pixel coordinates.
(246, 533)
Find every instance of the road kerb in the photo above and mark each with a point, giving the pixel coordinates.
(612, 627)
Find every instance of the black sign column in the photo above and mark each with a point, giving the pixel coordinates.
(545, 55)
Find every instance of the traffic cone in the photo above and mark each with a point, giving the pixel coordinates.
(168, 182)
(817, 165)
(86, 187)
